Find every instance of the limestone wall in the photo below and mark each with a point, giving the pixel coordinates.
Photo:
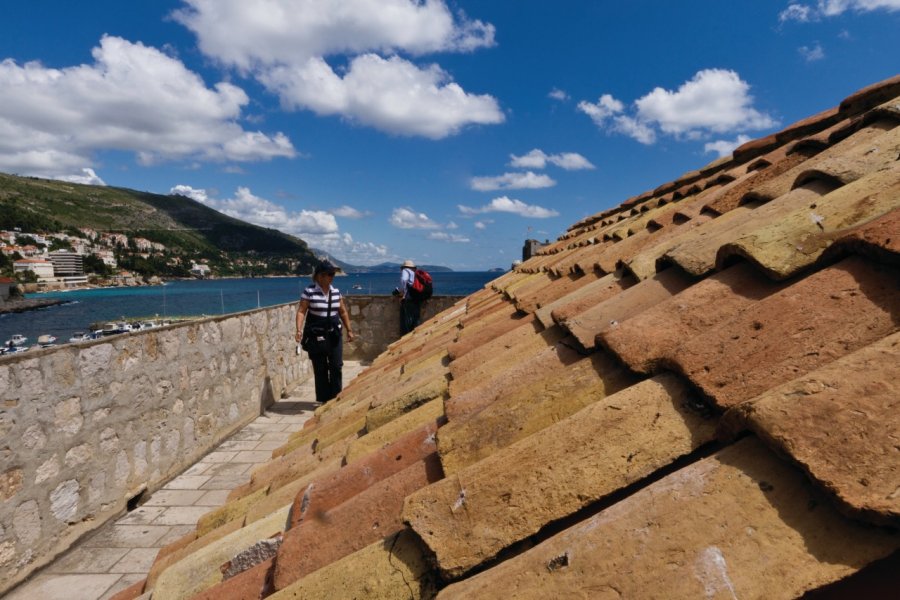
(376, 322)
(86, 427)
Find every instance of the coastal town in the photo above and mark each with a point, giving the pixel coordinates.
(86, 258)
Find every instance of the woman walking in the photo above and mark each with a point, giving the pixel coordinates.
(320, 317)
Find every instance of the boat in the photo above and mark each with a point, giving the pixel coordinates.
(80, 336)
(46, 340)
(17, 340)
(357, 286)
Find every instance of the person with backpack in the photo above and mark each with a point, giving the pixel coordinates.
(415, 289)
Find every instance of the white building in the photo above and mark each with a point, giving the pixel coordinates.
(40, 267)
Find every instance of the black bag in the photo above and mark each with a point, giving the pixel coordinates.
(318, 339)
(321, 337)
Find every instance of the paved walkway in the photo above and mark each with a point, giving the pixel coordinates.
(121, 552)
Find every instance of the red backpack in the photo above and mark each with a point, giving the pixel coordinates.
(421, 288)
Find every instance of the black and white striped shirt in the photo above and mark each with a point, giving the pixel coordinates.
(318, 300)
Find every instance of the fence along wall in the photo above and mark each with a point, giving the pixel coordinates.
(86, 427)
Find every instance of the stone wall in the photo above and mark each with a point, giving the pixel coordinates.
(376, 322)
(86, 427)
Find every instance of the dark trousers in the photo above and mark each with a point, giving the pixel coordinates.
(410, 313)
(327, 371)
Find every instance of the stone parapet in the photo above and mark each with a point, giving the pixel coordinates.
(89, 427)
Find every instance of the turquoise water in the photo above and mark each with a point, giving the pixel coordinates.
(192, 298)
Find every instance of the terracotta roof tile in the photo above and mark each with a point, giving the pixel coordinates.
(475, 513)
(363, 519)
(800, 328)
(552, 390)
(786, 243)
(875, 137)
(585, 325)
(839, 424)
(872, 95)
(643, 340)
(876, 238)
(739, 524)
(554, 288)
(584, 297)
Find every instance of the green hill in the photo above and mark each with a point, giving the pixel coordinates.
(183, 225)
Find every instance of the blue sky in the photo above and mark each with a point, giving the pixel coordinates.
(443, 131)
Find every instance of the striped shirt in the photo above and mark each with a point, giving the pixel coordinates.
(318, 300)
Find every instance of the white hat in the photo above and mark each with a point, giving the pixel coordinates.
(408, 263)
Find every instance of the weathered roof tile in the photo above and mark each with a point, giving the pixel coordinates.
(740, 524)
(839, 424)
(472, 515)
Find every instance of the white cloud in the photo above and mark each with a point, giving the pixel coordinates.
(509, 205)
(725, 147)
(132, 98)
(713, 101)
(480, 225)
(812, 53)
(407, 218)
(512, 181)
(348, 212)
(804, 13)
(317, 228)
(392, 95)
(605, 107)
(284, 44)
(558, 94)
(538, 159)
(87, 177)
(448, 237)
(253, 209)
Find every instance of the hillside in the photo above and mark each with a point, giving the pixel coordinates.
(183, 225)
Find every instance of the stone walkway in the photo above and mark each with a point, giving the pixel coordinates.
(121, 552)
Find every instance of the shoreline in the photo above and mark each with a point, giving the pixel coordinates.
(20, 306)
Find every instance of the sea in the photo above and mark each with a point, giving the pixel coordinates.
(194, 298)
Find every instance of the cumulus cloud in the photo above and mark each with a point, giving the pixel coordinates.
(725, 147)
(390, 94)
(558, 94)
(348, 212)
(317, 228)
(804, 13)
(132, 98)
(259, 211)
(512, 181)
(285, 44)
(538, 159)
(87, 177)
(448, 237)
(812, 53)
(482, 224)
(713, 101)
(407, 218)
(509, 205)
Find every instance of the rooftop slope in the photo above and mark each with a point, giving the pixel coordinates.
(693, 394)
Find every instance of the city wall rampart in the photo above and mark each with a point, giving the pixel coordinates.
(86, 429)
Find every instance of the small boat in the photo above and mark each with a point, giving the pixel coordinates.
(80, 336)
(46, 340)
(17, 340)
(357, 286)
